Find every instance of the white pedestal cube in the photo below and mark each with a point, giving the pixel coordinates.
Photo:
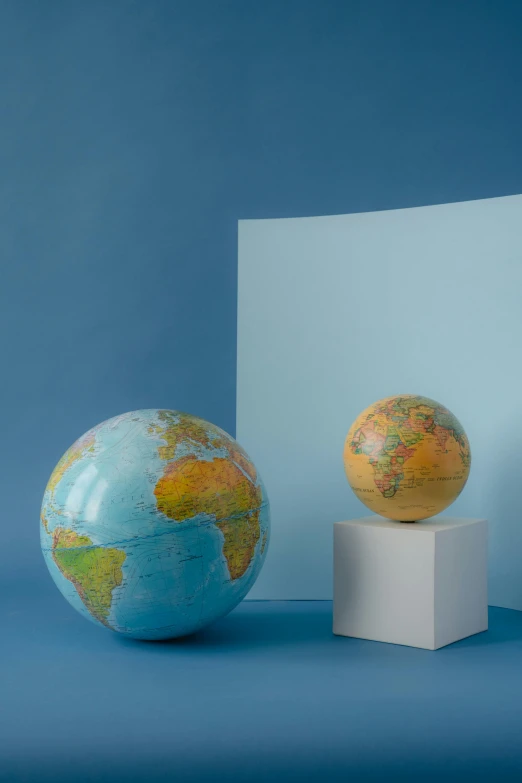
(422, 584)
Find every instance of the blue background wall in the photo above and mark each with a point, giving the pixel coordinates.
(133, 136)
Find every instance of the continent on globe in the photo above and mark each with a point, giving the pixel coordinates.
(154, 524)
(94, 571)
(220, 488)
(407, 457)
(78, 450)
(179, 427)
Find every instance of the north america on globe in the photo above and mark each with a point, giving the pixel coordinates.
(155, 523)
(407, 457)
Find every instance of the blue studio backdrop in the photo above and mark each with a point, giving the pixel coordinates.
(133, 136)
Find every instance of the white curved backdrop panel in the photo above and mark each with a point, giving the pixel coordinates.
(337, 312)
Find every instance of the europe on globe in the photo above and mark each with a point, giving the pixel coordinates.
(407, 457)
(154, 524)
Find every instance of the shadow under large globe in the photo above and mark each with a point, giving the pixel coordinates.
(154, 524)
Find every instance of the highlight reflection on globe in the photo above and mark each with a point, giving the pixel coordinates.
(407, 457)
(154, 524)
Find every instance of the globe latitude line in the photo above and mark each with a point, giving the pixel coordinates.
(186, 526)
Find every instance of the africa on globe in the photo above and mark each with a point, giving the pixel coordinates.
(407, 457)
(154, 524)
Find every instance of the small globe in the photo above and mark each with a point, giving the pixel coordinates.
(154, 524)
(407, 457)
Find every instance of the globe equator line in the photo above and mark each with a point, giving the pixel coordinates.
(123, 542)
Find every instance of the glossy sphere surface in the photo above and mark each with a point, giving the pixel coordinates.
(154, 524)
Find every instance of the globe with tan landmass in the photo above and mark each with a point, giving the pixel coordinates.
(154, 524)
(407, 457)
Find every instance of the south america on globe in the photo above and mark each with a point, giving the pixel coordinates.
(154, 524)
(407, 457)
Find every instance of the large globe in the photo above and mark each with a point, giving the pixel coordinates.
(407, 457)
(154, 524)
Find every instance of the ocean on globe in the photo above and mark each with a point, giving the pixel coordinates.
(154, 524)
(407, 457)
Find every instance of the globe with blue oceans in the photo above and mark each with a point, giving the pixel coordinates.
(154, 524)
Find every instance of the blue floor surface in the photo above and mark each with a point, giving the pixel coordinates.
(266, 694)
